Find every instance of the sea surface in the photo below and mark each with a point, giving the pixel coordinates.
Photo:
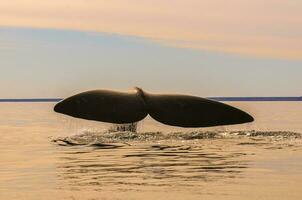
(45, 155)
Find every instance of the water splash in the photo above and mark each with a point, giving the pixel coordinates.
(113, 136)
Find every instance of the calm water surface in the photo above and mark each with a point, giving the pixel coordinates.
(159, 162)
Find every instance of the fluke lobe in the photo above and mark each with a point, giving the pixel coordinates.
(171, 109)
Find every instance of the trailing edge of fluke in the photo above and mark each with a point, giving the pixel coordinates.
(129, 107)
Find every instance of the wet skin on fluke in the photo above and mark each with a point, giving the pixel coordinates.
(171, 109)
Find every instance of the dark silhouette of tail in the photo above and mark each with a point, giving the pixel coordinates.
(128, 107)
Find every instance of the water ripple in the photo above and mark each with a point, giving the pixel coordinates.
(122, 159)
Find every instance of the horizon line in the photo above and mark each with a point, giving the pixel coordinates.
(259, 98)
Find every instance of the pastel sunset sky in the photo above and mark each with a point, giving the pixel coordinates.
(204, 47)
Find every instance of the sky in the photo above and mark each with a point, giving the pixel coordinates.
(208, 48)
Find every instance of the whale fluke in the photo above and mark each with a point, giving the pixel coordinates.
(190, 111)
(105, 106)
(130, 107)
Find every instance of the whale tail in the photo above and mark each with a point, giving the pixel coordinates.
(176, 110)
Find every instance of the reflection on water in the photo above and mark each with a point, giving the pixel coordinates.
(148, 165)
(193, 162)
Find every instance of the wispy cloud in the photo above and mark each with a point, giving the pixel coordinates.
(270, 28)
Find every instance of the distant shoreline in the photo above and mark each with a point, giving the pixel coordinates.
(256, 98)
(33, 100)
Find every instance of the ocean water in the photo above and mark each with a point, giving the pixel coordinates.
(45, 155)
